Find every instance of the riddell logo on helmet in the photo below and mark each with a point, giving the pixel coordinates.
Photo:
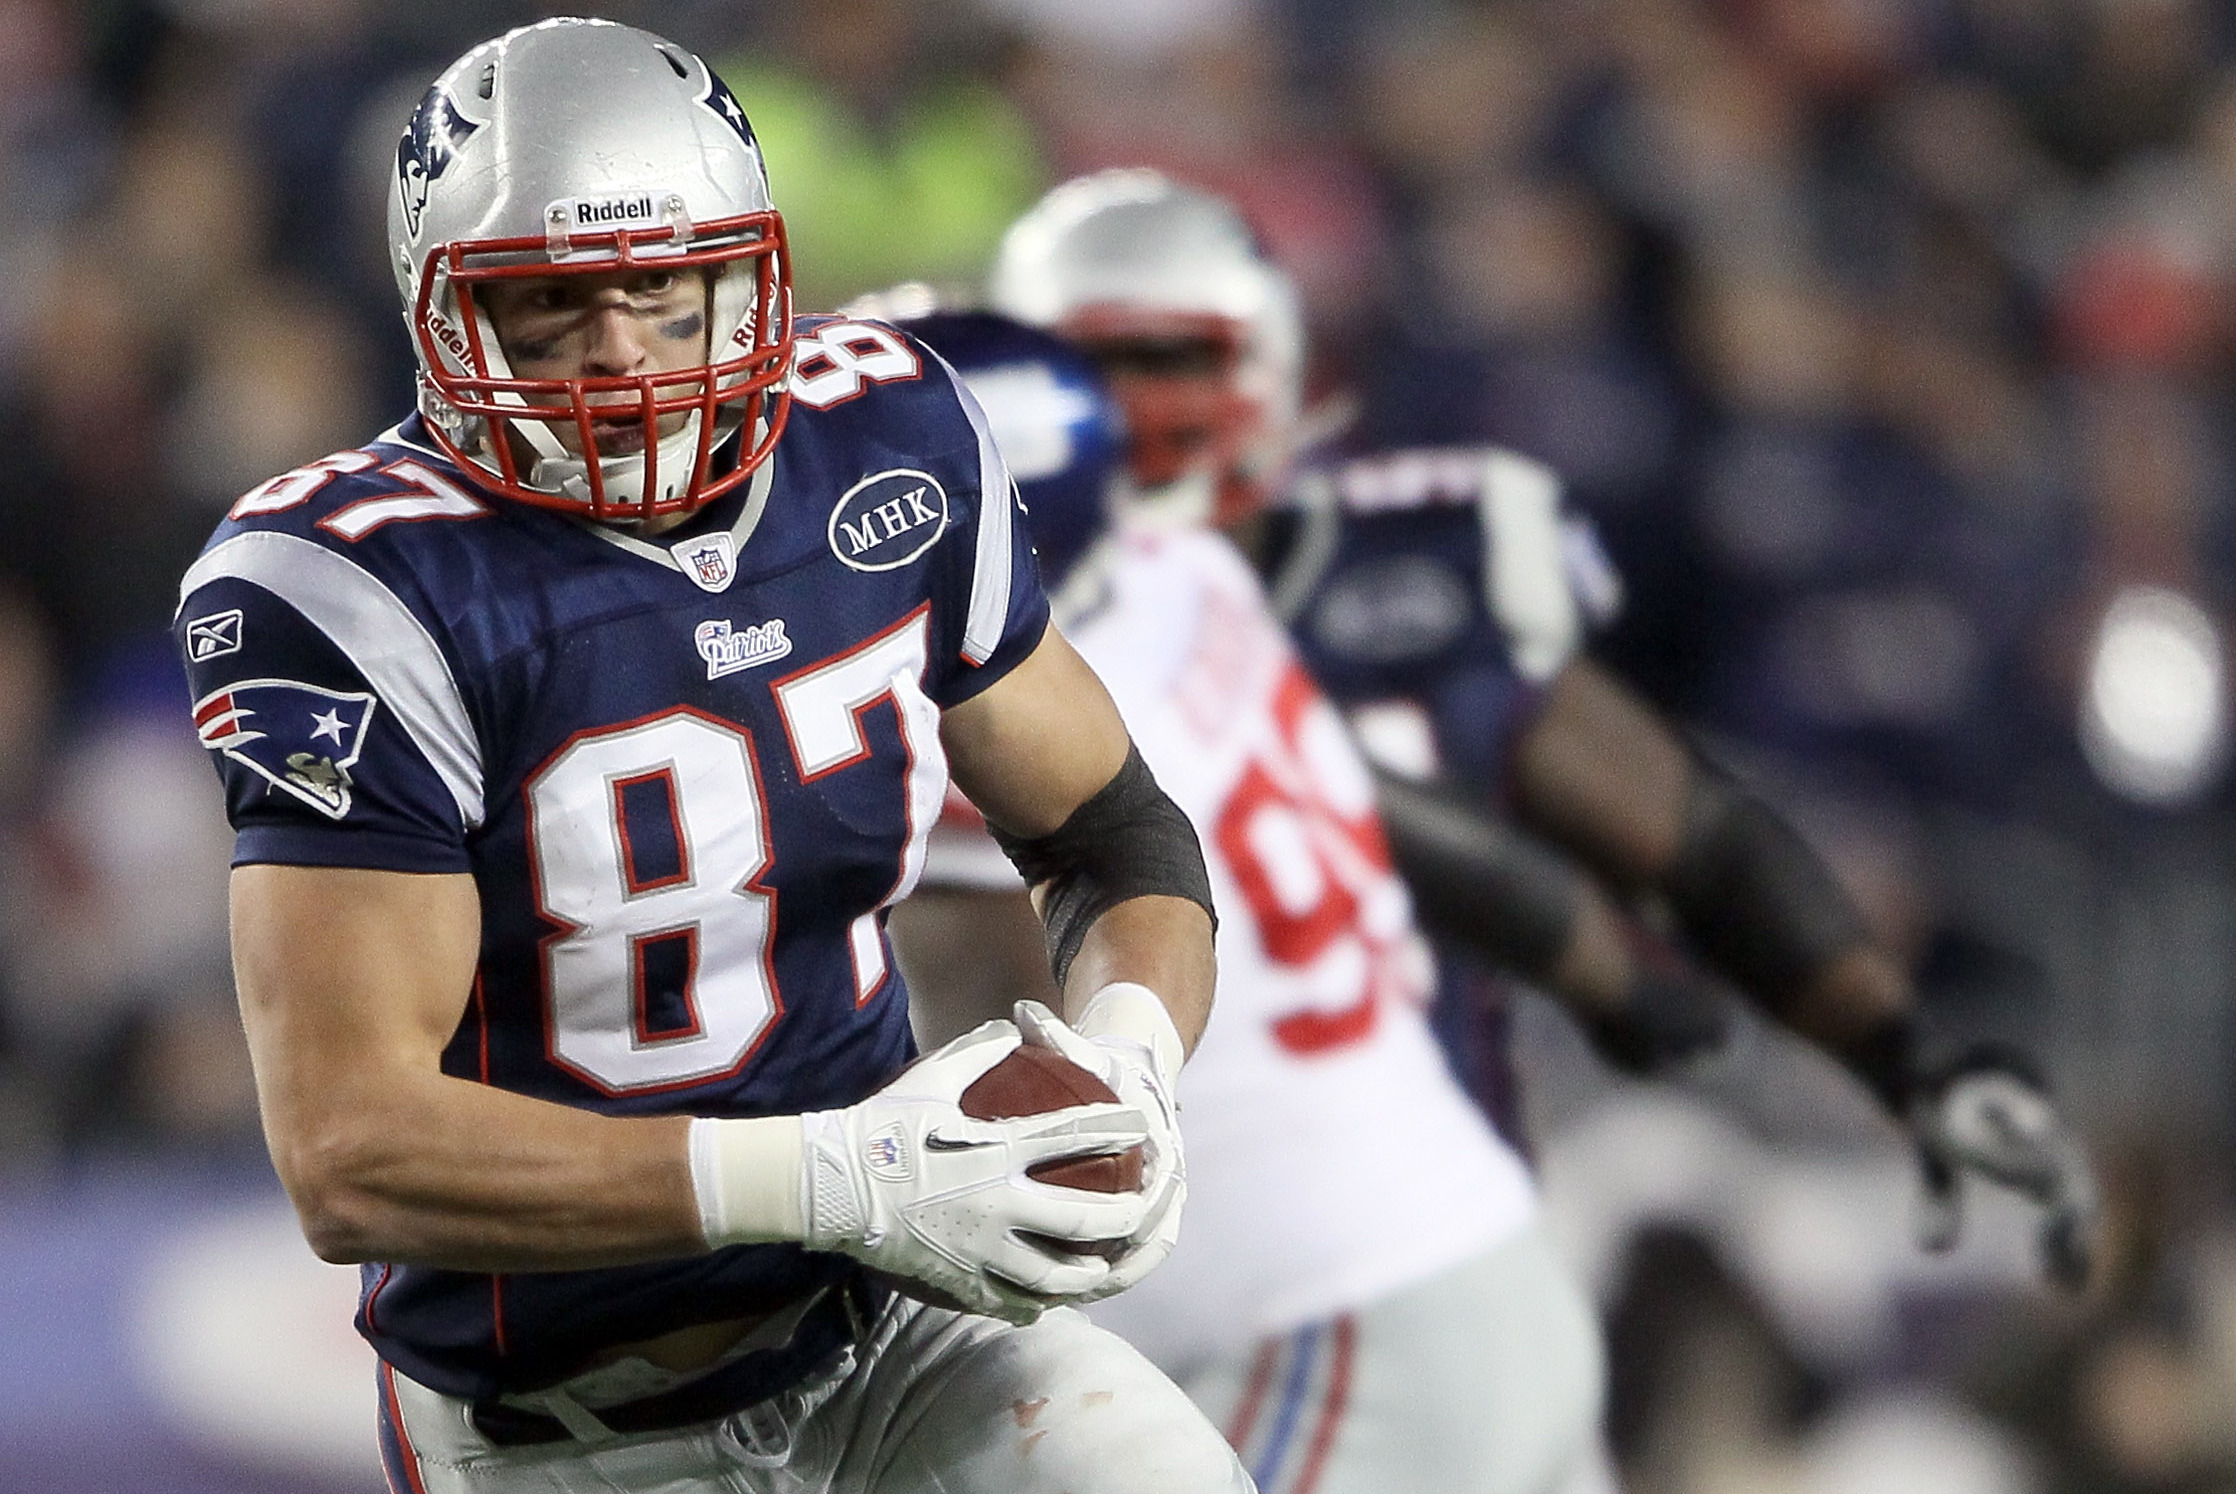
(606, 211)
(443, 332)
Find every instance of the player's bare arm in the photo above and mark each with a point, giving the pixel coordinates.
(1118, 879)
(971, 954)
(351, 982)
(1030, 751)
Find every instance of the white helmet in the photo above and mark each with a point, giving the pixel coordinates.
(1199, 333)
(579, 147)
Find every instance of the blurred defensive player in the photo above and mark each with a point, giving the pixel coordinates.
(1438, 597)
(1362, 1298)
(578, 732)
(1435, 596)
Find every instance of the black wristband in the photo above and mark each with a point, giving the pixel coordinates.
(1128, 840)
(1889, 1059)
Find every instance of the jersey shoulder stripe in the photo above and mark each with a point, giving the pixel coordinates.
(1527, 580)
(860, 384)
(363, 618)
(990, 567)
(1479, 510)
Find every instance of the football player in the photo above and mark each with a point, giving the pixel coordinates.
(1362, 1299)
(578, 732)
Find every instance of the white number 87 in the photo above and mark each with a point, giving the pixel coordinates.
(703, 907)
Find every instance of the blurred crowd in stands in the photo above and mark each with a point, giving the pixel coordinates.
(1888, 342)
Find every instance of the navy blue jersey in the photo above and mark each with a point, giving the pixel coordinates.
(1434, 594)
(687, 773)
(1445, 582)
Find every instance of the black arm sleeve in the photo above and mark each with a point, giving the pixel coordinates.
(1129, 840)
(1476, 880)
(1484, 885)
(1756, 904)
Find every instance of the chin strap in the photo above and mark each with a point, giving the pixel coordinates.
(559, 470)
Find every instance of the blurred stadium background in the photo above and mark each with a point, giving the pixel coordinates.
(1888, 341)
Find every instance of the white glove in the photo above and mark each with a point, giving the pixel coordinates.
(907, 1184)
(1127, 1039)
(1987, 1114)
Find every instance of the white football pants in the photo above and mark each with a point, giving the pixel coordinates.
(1486, 1379)
(935, 1402)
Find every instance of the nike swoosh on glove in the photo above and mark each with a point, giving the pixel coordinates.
(1987, 1113)
(1137, 1073)
(906, 1183)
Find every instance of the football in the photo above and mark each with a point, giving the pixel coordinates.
(1032, 1081)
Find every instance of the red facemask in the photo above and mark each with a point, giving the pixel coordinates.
(749, 373)
(1176, 377)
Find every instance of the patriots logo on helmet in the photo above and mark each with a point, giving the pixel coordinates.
(424, 154)
(725, 104)
(302, 739)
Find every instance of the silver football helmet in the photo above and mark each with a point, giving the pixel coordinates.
(583, 147)
(1199, 333)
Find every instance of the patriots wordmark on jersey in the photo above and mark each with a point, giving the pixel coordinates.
(687, 775)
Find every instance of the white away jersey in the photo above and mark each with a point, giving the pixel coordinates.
(1331, 1156)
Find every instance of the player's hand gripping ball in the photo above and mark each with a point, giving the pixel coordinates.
(1137, 1072)
(951, 1208)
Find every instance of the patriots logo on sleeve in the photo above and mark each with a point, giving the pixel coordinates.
(302, 739)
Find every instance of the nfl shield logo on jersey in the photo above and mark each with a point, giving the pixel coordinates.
(302, 739)
(710, 560)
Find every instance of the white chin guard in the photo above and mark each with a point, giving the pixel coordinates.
(562, 471)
